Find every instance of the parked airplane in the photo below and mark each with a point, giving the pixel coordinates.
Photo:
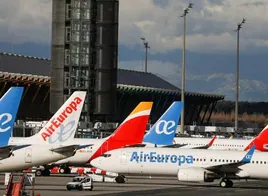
(261, 142)
(52, 143)
(189, 165)
(130, 131)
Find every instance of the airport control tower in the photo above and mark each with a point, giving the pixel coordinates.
(84, 54)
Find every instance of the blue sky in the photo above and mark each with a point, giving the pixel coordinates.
(211, 40)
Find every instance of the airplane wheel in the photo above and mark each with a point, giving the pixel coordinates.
(62, 171)
(120, 179)
(38, 173)
(223, 183)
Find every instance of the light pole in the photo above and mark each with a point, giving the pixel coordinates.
(185, 12)
(146, 46)
(239, 26)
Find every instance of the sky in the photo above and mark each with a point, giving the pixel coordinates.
(25, 28)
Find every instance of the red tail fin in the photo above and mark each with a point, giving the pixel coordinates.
(130, 132)
(261, 141)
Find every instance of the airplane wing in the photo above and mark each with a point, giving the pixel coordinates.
(69, 148)
(208, 145)
(174, 146)
(6, 151)
(232, 167)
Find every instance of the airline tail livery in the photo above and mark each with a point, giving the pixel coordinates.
(163, 131)
(261, 141)
(131, 130)
(62, 126)
(9, 105)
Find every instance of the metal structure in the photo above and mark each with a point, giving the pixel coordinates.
(34, 74)
(185, 12)
(84, 55)
(146, 46)
(239, 26)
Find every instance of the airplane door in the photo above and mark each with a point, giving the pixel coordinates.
(123, 157)
(28, 155)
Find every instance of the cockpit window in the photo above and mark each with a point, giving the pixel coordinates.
(106, 155)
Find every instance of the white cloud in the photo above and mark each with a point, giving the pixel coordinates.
(210, 23)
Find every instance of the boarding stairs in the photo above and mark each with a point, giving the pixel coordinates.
(16, 186)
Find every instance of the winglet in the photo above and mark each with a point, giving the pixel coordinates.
(163, 131)
(247, 158)
(212, 141)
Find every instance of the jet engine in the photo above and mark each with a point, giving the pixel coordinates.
(195, 175)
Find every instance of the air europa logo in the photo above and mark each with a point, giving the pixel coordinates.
(154, 157)
(56, 122)
(165, 127)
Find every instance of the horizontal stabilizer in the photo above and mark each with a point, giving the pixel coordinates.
(70, 148)
(135, 145)
(6, 151)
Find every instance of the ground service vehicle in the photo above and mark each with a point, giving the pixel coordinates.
(80, 183)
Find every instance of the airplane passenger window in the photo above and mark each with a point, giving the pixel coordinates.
(222, 160)
(264, 162)
(260, 162)
(257, 162)
(211, 160)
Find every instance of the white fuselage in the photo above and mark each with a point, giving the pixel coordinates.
(218, 144)
(124, 161)
(81, 157)
(31, 156)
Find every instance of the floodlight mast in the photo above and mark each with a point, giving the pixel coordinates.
(239, 26)
(146, 46)
(185, 12)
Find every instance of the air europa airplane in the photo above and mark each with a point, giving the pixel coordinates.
(52, 143)
(261, 142)
(189, 165)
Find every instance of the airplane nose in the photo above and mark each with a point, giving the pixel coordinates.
(96, 162)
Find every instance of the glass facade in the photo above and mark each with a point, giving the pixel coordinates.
(77, 52)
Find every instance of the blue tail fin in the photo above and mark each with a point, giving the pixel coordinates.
(163, 131)
(9, 105)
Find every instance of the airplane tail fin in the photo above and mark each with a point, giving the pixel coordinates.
(129, 132)
(9, 105)
(261, 141)
(62, 126)
(132, 129)
(163, 131)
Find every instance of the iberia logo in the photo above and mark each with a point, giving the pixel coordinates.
(57, 122)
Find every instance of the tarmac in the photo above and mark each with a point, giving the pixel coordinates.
(139, 185)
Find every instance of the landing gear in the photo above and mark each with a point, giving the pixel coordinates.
(120, 179)
(64, 170)
(45, 172)
(226, 183)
